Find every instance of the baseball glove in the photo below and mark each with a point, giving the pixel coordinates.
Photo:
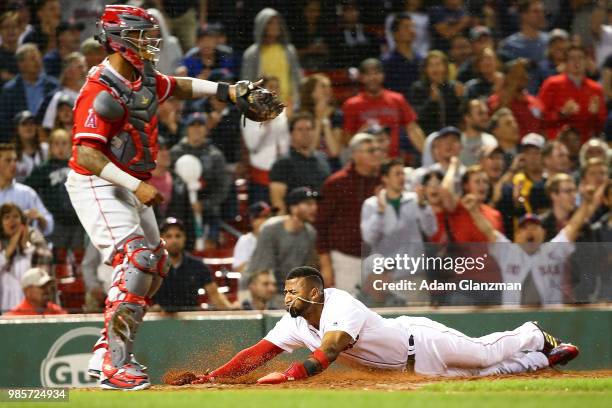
(257, 103)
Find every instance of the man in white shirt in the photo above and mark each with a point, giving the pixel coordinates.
(333, 324)
(259, 212)
(538, 266)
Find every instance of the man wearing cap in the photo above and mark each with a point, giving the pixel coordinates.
(343, 193)
(205, 57)
(26, 91)
(287, 241)
(214, 178)
(440, 148)
(540, 269)
(259, 212)
(480, 39)
(474, 138)
(187, 275)
(303, 166)
(38, 289)
(558, 44)
(374, 104)
(68, 41)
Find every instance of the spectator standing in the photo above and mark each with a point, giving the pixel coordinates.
(343, 193)
(68, 41)
(243, 251)
(506, 130)
(31, 152)
(287, 241)
(48, 181)
(530, 42)
(187, 275)
(184, 17)
(303, 166)
(311, 38)
(206, 56)
(171, 51)
(265, 142)
(26, 91)
(481, 38)
(44, 31)
(9, 32)
(273, 55)
(401, 63)
(23, 196)
(351, 41)
(93, 51)
(488, 78)
(394, 221)
(376, 105)
(73, 77)
(37, 288)
(526, 108)
(572, 99)
(21, 248)
(317, 99)
(474, 138)
(214, 180)
(447, 21)
(554, 63)
(436, 98)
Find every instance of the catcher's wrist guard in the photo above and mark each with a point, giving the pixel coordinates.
(223, 92)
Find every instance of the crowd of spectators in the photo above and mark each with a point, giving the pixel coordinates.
(448, 128)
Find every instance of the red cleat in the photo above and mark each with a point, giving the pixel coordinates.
(562, 354)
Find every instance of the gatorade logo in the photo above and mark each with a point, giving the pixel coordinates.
(68, 370)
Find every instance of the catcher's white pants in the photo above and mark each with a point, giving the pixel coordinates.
(110, 214)
(443, 351)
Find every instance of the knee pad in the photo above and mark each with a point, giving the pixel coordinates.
(146, 259)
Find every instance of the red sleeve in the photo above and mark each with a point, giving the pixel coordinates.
(87, 123)
(550, 106)
(408, 114)
(165, 86)
(351, 119)
(248, 359)
(603, 111)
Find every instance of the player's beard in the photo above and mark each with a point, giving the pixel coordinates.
(293, 311)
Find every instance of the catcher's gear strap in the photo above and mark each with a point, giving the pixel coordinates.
(248, 359)
(223, 92)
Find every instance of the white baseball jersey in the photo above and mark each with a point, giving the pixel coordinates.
(546, 266)
(439, 350)
(377, 342)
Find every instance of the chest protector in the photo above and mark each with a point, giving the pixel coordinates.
(135, 146)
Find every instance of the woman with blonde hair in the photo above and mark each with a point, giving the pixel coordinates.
(317, 98)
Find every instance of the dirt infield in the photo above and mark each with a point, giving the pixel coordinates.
(370, 380)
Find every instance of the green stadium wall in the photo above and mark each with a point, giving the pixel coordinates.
(54, 351)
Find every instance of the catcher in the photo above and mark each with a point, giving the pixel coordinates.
(332, 324)
(114, 152)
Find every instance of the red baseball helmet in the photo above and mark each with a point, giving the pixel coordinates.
(130, 31)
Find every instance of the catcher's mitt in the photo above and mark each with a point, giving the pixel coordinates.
(257, 103)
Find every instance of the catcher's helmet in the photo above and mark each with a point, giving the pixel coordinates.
(130, 31)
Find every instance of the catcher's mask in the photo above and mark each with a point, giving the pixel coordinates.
(130, 31)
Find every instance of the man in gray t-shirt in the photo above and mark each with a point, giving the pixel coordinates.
(287, 241)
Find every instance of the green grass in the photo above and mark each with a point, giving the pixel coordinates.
(514, 393)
